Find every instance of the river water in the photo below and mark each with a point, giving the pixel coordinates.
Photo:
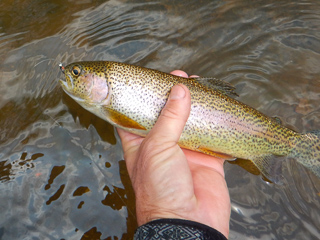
(62, 174)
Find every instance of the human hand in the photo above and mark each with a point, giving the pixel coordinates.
(171, 182)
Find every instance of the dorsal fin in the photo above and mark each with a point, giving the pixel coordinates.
(278, 120)
(219, 85)
(315, 132)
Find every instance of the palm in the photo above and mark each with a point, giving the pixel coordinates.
(194, 189)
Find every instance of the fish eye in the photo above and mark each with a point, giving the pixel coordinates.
(76, 71)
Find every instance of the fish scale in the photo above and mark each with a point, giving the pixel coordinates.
(132, 97)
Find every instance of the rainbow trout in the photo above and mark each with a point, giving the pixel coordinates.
(132, 97)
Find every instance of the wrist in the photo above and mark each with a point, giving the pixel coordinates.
(177, 229)
(146, 216)
(220, 221)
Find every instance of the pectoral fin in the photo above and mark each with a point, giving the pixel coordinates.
(122, 120)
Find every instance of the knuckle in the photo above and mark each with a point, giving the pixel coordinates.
(170, 113)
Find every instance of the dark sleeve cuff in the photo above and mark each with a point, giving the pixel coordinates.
(177, 229)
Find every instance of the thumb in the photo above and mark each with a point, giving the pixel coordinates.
(174, 115)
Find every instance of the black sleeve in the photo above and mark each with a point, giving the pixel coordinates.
(177, 229)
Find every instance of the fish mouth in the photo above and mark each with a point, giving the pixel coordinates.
(65, 88)
(64, 85)
(64, 82)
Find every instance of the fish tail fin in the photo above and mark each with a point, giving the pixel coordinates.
(307, 151)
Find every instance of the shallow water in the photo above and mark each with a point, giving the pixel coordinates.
(62, 174)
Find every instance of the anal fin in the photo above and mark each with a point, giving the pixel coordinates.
(270, 167)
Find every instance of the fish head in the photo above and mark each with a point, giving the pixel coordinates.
(86, 82)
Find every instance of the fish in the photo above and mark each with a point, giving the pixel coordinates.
(131, 98)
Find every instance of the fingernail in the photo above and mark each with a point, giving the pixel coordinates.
(177, 92)
(194, 76)
(179, 73)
